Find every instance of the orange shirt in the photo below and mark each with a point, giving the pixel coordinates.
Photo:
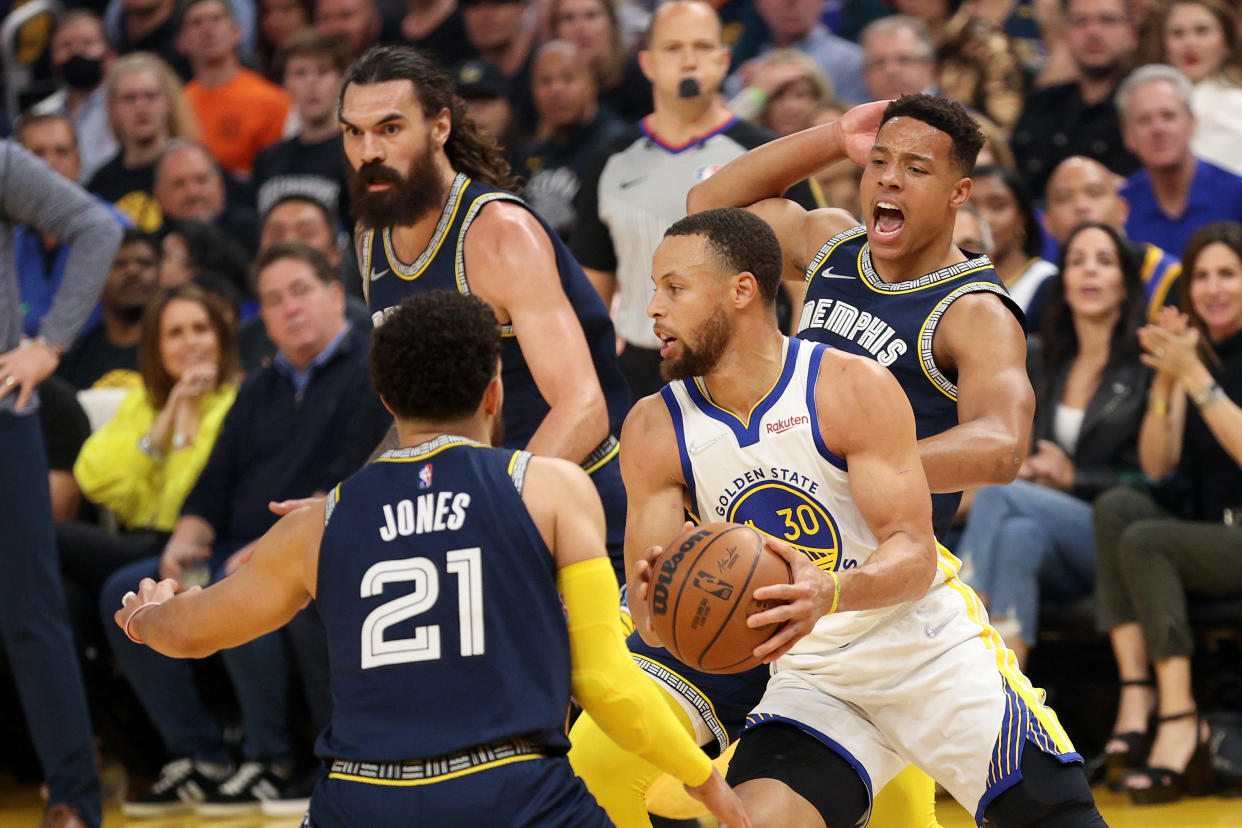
(239, 118)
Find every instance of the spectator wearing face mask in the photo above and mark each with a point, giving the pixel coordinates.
(80, 55)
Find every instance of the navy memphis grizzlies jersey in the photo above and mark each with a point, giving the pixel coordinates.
(445, 626)
(386, 281)
(847, 305)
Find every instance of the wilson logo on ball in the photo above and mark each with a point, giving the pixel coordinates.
(668, 566)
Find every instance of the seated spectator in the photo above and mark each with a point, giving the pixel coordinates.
(204, 254)
(277, 20)
(486, 93)
(593, 26)
(1032, 539)
(146, 110)
(144, 461)
(239, 111)
(1081, 189)
(80, 56)
(1016, 235)
(1078, 117)
(573, 128)
(838, 183)
(303, 219)
(151, 26)
(502, 34)
(65, 428)
(786, 89)
(297, 427)
(1152, 549)
(311, 161)
(798, 26)
(899, 58)
(1200, 40)
(110, 349)
(975, 64)
(971, 231)
(356, 24)
(1176, 192)
(995, 149)
(189, 186)
(436, 26)
(41, 257)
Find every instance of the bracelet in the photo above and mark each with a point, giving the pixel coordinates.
(1205, 397)
(836, 593)
(1159, 407)
(148, 448)
(134, 615)
(55, 347)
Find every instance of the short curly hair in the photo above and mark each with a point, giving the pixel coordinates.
(434, 354)
(740, 241)
(948, 116)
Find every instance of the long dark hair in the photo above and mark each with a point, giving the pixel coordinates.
(155, 376)
(1033, 243)
(1060, 339)
(1228, 233)
(468, 150)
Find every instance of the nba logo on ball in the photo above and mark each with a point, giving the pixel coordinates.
(424, 477)
(704, 173)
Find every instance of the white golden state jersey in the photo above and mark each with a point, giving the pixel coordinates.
(773, 472)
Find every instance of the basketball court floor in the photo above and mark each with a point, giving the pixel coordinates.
(20, 808)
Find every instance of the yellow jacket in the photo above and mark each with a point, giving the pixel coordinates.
(147, 493)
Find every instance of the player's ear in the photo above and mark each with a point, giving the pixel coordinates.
(493, 394)
(745, 288)
(961, 192)
(644, 63)
(388, 407)
(442, 127)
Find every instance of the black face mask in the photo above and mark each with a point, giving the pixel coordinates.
(82, 72)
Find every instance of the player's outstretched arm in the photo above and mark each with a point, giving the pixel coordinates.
(983, 342)
(512, 267)
(655, 490)
(865, 418)
(260, 597)
(606, 682)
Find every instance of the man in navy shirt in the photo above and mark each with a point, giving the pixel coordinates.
(1176, 192)
(297, 427)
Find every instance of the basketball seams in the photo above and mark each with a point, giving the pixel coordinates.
(742, 593)
(676, 650)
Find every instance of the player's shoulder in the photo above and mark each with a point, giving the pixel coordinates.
(648, 419)
(555, 484)
(845, 372)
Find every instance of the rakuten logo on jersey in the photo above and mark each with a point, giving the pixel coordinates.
(788, 423)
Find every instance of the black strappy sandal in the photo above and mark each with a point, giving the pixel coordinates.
(1168, 785)
(1137, 742)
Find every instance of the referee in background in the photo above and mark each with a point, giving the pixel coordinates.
(34, 623)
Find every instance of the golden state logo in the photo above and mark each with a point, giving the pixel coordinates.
(786, 513)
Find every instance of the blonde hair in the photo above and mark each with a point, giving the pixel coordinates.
(181, 120)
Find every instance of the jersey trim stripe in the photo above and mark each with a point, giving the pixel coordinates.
(872, 279)
(747, 430)
(447, 216)
(329, 503)
(517, 469)
(410, 783)
(817, 356)
(424, 450)
(672, 680)
(368, 238)
(459, 260)
(679, 428)
(927, 335)
(680, 148)
(812, 270)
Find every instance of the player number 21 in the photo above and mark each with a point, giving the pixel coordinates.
(424, 644)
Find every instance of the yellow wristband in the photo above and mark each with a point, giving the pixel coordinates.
(836, 593)
(1159, 407)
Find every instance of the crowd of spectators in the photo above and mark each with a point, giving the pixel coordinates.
(224, 365)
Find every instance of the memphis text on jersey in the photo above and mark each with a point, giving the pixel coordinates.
(845, 320)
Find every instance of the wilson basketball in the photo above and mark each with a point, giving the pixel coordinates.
(702, 591)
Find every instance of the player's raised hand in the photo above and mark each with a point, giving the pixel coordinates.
(858, 127)
(721, 800)
(804, 602)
